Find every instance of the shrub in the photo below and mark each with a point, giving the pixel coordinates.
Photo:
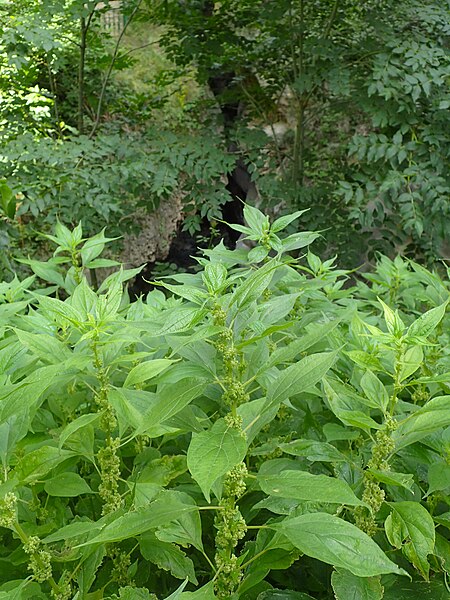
(254, 430)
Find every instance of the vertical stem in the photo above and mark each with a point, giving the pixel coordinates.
(81, 68)
(299, 143)
(84, 28)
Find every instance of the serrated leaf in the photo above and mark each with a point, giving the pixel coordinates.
(254, 285)
(299, 240)
(214, 276)
(411, 528)
(299, 377)
(44, 346)
(375, 391)
(305, 487)
(290, 351)
(67, 485)
(147, 370)
(204, 593)
(282, 222)
(438, 477)
(213, 453)
(313, 450)
(164, 509)
(431, 417)
(427, 323)
(336, 542)
(347, 586)
(167, 557)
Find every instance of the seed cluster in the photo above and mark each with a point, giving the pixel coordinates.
(64, 591)
(8, 509)
(231, 528)
(121, 563)
(373, 494)
(109, 464)
(108, 457)
(39, 561)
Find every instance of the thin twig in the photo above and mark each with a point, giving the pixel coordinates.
(110, 68)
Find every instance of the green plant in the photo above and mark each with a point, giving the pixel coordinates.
(258, 422)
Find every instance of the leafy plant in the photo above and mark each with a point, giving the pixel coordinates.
(231, 430)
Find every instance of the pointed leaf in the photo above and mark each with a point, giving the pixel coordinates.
(299, 377)
(306, 487)
(347, 586)
(213, 453)
(411, 528)
(147, 370)
(336, 542)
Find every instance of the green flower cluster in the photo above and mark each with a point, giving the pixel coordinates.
(231, 528)
(373, 494)
(8, 509)
(109, 464)
(40, 560)
(121, 563)
(64, 590)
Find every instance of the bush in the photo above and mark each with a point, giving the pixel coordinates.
(255, 430)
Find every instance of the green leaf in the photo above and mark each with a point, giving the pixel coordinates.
(67, 485)
(410, 362)
(306, 487)
(255, 219)
(167, 557)
(147, 370)
(170, 400)
(299, 240)
(338, 543)
(74, 530)
(427, 323)
(256, 255)
(283, 595)
(347, 586)
(25, 395)
(299, 377)
(282, 222)
(214, 276)
(431, 417)
(213, 453)
(390, 478)
(36, 464)
(186, 530)
(164, 509)
(177, 593)
(254, 285)
(76, 425)
(393, 322)
(204, 593)
(438, 477)
(411, 528)
(313, 451)
(293, 349)
(44, 346)
(416, 590)
(375, 391)
(45, 270)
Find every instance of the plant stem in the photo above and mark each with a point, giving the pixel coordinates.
(109, 71)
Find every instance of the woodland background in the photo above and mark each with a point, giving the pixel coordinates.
(151, 118)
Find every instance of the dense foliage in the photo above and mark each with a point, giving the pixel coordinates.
(258, 430)
(337, 106)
